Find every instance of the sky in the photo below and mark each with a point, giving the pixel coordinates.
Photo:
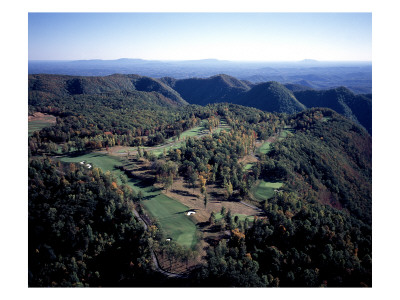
(186, 36)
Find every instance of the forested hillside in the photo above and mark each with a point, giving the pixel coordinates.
(61, 85)
(317, 230)
(357, 108)
(268, 96)
(219, 88)
(82, 230)
(272, 97)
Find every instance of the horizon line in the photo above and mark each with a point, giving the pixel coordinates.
(199, 59)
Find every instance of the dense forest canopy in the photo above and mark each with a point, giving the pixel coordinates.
(88, 227)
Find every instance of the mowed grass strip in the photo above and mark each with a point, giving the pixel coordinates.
(264, 190)
(173, 219)
(190, 133)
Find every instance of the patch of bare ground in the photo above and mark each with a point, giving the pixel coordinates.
(326, 197)
(251, 158)
(38, 116)
(259, 143)
(120, 151)
(192, 198)
(140, 168)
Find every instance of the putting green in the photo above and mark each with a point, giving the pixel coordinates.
(264, 190)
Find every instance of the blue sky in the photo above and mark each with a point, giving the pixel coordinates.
(182, 36)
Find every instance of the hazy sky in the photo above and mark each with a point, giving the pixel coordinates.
(182, 36)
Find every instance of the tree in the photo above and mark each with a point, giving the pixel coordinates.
(168, 182)
(205, 200)
(223, 211)
(228, 190)
(212, 218)
(202, 181)
(193, 177)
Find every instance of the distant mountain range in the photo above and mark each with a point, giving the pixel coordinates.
(356, 76)
(268, 96)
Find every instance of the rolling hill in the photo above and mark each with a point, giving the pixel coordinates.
(219, 88)
(270, 96)
(63, 85)
(357, 108)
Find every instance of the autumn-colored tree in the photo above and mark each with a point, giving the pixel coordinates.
(228, 189)
(202, 181)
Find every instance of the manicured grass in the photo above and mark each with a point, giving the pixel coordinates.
(172, 218)
(158, 152)
(264, 190)
(37, 126)
(265, 148)
(102, 161)
(248, 166)
(190, 133)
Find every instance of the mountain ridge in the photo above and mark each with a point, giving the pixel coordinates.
(67, 85)
(269, 96)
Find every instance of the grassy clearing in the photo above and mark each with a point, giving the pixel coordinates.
(265, 148)
(248, 166)
(196, 131)
(169, 212)
(37, 126)
(285, 133)
(39, 121)
(264, 190)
